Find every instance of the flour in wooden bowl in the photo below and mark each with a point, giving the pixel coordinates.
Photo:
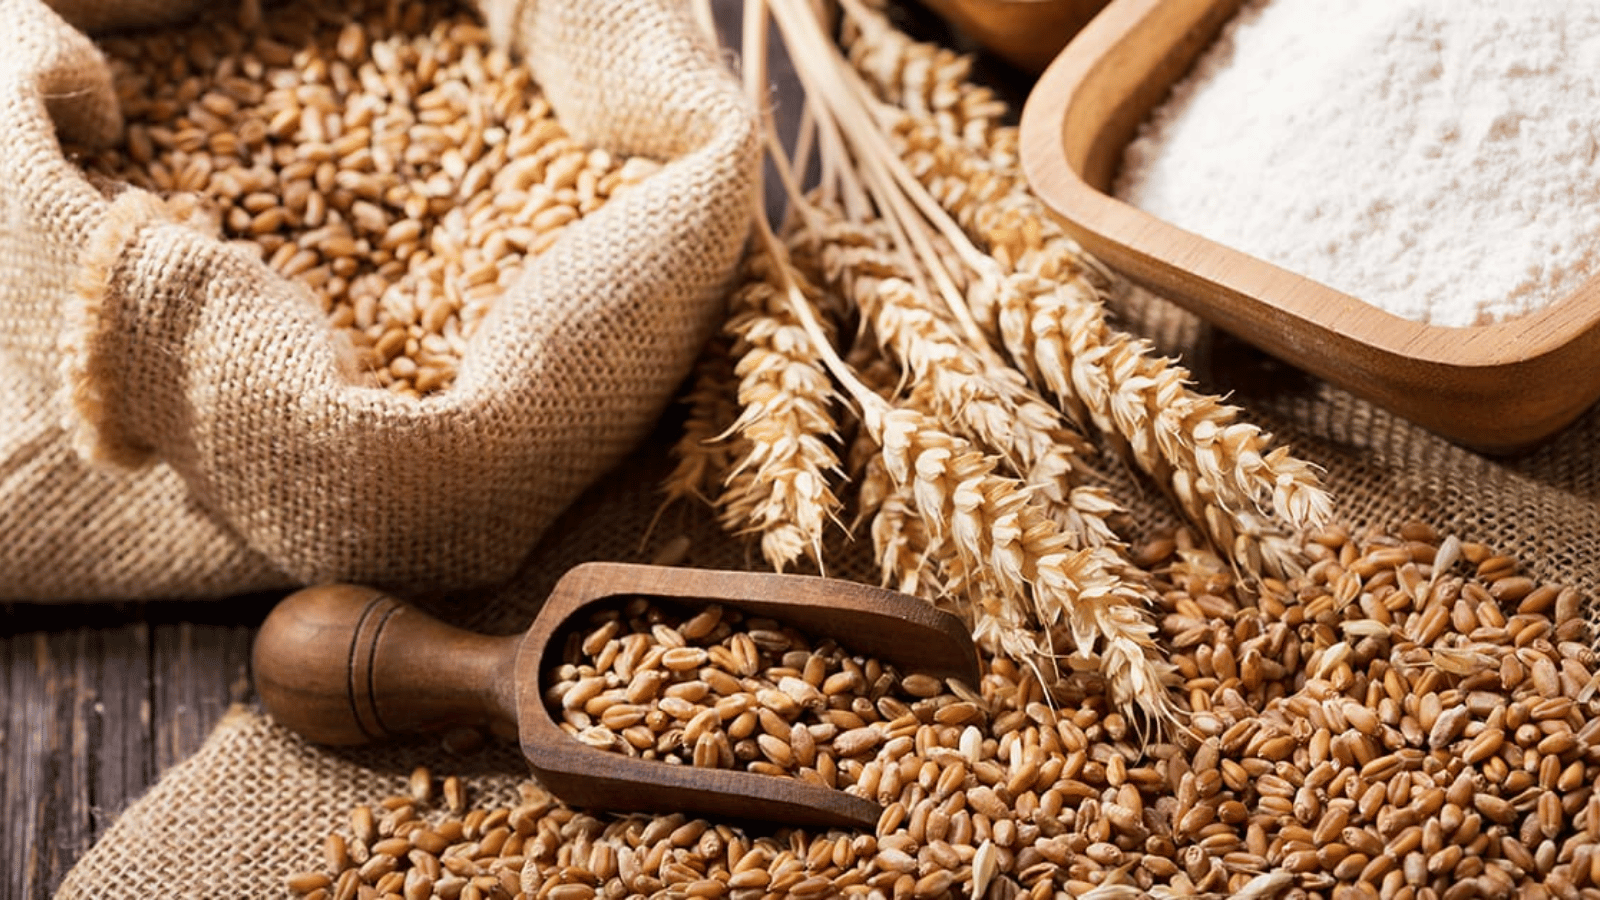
(1434, 158)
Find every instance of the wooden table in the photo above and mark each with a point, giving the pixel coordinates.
(92, 714)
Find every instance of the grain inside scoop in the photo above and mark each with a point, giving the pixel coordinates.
(343, 664)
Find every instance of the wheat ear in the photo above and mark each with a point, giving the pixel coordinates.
(704, 457)
(1010, 550)
(1045, 303)
(963, 386)
(779, 488)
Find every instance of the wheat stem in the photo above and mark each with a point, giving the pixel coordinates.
(901, 200)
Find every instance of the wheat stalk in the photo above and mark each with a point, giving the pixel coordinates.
(969, 494)
(965, 383)
(1044, 302)
(1007, 552)
(779, 487)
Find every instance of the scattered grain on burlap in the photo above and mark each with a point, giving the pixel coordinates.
(253, 777)
(1370, 696)
(161, 375)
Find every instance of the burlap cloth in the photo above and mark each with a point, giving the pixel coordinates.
(181, 422)
(255, 802)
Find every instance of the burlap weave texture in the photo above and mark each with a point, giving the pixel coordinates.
(188, 426)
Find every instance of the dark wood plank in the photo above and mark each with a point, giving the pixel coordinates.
(92, 717)
(64, 655)
(39, 797)
(45, 799)
(14, 725)
(116, 711)
(197, 670)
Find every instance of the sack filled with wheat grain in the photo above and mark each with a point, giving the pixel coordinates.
(364, 291)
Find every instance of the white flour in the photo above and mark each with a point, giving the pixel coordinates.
(1435, 158)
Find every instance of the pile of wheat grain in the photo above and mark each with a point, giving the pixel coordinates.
(384, 155)
(1411, 718)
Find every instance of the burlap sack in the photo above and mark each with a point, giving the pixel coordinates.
(179, 422)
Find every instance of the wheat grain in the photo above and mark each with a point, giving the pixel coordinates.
(385, 156)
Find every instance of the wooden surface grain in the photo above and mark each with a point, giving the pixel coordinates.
(96, 701)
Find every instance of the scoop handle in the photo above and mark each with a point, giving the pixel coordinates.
(345, 664)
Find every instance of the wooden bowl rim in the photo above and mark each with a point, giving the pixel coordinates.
(1231, 288)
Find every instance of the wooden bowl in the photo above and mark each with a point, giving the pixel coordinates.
(1025, 33)
(1498, 388)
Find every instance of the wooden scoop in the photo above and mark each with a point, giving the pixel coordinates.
(342, 664)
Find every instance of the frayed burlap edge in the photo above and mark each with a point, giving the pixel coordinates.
(94, 432)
